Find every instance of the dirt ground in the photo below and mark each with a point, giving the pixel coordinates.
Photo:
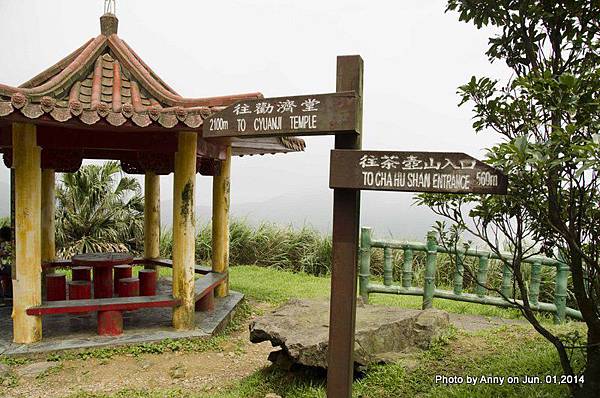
(197, 371)
(208, 371)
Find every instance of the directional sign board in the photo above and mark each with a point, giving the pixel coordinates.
(320, 114)
(448, 172)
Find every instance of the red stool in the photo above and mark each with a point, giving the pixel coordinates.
(56, 287)
(80, 290)
(121, 272)
(110, 323)
(148, 279)
(206, 303)
(128, 287)
(82, 273)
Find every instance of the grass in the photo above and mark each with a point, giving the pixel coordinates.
(308, 250)
(505, 351)
(268, 245)
(475, 355)
(274, 286)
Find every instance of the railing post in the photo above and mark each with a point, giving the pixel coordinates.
(429, 285)
(458, 273)
(560, 292)
(365, 263)
(506, 280)
(388, 275)
(482, 272)
(407, 268)
(534, 283)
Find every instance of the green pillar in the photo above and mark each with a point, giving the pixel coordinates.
(506, 281)
(560, 292)
(482, 273)
(388, 272)
(534, 283)
(429, 285)
(407, 268)
(459, 272)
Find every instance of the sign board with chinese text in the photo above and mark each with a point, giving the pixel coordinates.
(443, 172)
(318, 114)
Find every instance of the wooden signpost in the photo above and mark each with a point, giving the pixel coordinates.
(351, 170)
(340, 114)
(317, 114)
(447, 172)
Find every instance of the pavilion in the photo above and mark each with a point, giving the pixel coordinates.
(103, 102)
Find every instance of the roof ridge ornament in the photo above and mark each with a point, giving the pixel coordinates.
(110, 7)
(109, 23)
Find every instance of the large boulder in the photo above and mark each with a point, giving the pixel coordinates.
(301, 329)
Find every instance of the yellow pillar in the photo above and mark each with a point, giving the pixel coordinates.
(48, 223)
(220, 224)
(27, 288)
(183, 230)
(151, 217)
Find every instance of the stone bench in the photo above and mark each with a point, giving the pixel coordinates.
(110, 316)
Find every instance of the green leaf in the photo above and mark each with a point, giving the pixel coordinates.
(567, 80)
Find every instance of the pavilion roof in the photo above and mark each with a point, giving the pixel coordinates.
(105, 80)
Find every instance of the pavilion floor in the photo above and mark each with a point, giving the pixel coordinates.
(78, 331)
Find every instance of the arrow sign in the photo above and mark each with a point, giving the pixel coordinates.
(443, 172)
(319, 114)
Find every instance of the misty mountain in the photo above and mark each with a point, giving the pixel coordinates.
(389, 214)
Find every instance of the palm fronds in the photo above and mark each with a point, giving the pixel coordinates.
(99, 210)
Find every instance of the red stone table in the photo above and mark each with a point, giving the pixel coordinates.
(102, 264)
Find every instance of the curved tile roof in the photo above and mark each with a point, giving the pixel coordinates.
(106, 80)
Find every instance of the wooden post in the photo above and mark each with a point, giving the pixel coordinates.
(220, 224)
(27, 287)
(183, 230)
(346, 218)
(48, 223)
(151, 217)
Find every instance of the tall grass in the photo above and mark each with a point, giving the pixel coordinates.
(267, 245)
(307, 250)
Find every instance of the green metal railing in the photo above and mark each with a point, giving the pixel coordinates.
(428, 291)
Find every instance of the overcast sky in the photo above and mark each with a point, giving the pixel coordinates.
(415, 56)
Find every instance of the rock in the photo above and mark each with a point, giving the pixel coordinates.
(300, 328)
(281, 359)
(35, 369)
(272, 395)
